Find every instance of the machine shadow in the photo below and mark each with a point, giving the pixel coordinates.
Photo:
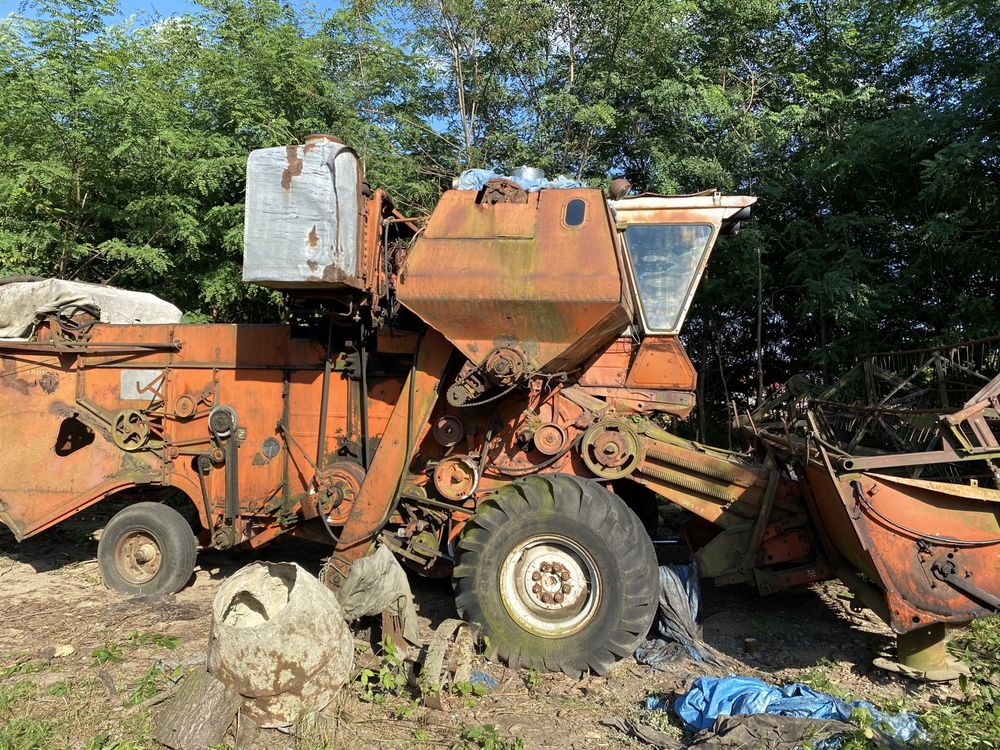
(794, 629)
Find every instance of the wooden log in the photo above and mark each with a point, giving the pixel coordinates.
(198, 715)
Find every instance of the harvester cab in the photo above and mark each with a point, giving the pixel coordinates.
(668, 241)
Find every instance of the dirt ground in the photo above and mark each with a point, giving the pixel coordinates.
(78, 662)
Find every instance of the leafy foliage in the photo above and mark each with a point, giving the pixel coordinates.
(484, 737)
(867, 127)
(390, 677)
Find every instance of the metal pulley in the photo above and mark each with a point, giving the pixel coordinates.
(130, 430)
(448, 431)
(222, 421)
(336, 484)
(456, 477)
(611, 449)
(184, 406)
(550, 438)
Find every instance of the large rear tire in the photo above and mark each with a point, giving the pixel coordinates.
(147, 548)
(559, 574)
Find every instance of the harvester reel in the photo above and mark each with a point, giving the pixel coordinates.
(611, 449)
(130, 430)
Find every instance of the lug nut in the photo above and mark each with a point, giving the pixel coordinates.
(545, 567)
(546, 598)
(536, 589)
(557, 598)
(566, 588)
(536, 576)
(564, 575)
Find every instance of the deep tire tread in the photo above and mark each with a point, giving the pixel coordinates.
(557, 502)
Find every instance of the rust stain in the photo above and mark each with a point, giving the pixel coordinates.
(313, 236)
(294, 168)
(9, 377)
(333, 274)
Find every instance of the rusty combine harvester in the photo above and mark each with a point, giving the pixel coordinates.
(489, 392)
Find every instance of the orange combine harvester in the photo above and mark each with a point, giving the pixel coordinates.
(489, 392)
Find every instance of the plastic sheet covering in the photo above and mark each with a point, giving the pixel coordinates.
(377, 583)
(475, 179)
(302, 216)
(677, 622)
(711, 697)
(24, 303)
(755, 732)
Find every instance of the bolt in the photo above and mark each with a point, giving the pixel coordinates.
(564, 575)
(546, 598)
(536, 589)
(536, 576)
(545, 567)
(566, 588)
(557, 598)
(610, 449)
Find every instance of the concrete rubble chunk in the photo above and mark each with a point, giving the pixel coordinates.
(280, 640)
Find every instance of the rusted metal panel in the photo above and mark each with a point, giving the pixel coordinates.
(70, 402)
(898, 534)
(486, 274)
(661, 362)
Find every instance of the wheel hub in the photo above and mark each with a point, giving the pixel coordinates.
(550, 586)
(138, 557)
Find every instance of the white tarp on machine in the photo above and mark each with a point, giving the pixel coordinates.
(24, 303)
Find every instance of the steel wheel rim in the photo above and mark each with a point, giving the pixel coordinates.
(138, 556)
(550, 586)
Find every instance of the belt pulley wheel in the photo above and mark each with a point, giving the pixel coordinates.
(456, 477)
(338, 483)
(611, 449)
(448, 430)
(550, 438)
(130, 430)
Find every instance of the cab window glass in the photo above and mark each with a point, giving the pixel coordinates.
(665, 259)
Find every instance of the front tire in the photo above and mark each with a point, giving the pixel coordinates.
(147, 548)
(559, 574)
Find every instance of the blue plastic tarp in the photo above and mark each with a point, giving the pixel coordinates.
(710, 697)
(475, 179)
(678, 633)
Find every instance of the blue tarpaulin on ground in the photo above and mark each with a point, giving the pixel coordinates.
(710, 697)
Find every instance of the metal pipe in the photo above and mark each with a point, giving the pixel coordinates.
(363, 364)
(325, 397)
